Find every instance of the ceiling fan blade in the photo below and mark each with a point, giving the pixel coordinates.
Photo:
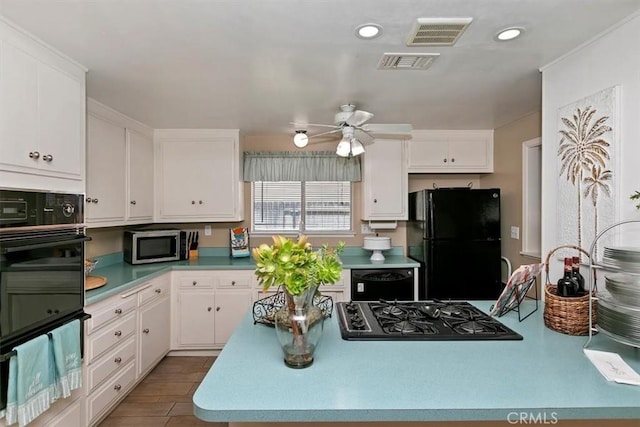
(302, 125)
(364, 137)
(388, 129)
(325, 133)
(358, 118)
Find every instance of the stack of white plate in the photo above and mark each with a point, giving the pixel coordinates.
(625, 288)
(621, 322)
(625, 258)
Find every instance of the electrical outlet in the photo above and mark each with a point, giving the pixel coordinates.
(207, 230)
(365, 229)
(515, 232)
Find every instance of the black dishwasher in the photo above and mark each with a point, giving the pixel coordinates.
(389, 284)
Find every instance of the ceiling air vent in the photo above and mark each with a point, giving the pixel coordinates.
(437, 31)
(406, 61)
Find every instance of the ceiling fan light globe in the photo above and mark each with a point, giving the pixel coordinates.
(343, 149)
(356, 147)
(300, 140)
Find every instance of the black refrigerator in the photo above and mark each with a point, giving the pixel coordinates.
(455, 235)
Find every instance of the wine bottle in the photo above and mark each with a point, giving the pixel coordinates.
(567, 285)
(575, 271)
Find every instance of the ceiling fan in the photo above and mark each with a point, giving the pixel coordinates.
(356, 133)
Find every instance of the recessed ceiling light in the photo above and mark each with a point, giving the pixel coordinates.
(369, 31)
(509, 33)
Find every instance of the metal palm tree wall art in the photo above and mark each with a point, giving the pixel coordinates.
(586, 152)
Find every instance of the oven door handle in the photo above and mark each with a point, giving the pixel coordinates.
(47, 244)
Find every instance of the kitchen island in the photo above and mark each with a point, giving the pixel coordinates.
(543, 379)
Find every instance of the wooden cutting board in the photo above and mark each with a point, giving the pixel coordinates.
(93, 282)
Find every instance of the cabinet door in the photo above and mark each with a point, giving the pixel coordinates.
(471, 153)
(384, 183)
(428, 154)
(186, 179)
(140, 167)
(195, 319)
(231, 307)
(155, 327)
(61, 124)
(18, 102)
(106, 171)
(198, 177)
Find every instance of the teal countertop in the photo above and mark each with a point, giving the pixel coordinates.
(546, 375)
(122, 276)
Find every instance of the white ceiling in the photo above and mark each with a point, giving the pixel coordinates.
(257, 65)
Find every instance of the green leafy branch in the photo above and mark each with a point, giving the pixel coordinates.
(636, 196)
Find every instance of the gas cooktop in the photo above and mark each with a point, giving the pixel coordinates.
(419, 320)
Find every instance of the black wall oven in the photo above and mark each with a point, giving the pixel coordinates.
(42, 252)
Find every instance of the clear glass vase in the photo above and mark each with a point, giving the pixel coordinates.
(299, 326)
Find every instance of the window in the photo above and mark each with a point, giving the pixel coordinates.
(313, 206)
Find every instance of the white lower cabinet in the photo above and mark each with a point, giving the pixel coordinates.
(195, 320)
(231, 307)
(127, 335)
(208, 307)
(155, 325)
(69, 417)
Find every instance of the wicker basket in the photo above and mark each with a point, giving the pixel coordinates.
(567, 315)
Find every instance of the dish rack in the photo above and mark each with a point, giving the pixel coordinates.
(613, 303)
(568, 315)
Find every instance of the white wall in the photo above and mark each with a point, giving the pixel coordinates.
(610, 59)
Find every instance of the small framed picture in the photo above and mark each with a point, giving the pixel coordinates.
(239, 242)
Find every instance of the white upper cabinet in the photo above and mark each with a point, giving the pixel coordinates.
(198, 175)
(42, 115)
(385, 181)
(450, 151)
(140, 176)
(106, 169)
(119, 169)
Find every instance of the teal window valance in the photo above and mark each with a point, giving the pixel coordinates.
(300, 166)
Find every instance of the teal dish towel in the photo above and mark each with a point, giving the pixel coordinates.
(65, 342)
(31, 385)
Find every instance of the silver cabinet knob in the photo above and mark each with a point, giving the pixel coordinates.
(118, 333)
(34, 154)
(375, 200)
(200, 202)
(117, 387)
(145, 330)
(88, 199)
(444, 160)
(94, 200)
(158, 290)
(217, 308)
(117, 359)
(233, 283)
(195, 283)
(208, 308)
(47, 157)
(118, 311)
(133, 202)
(193, 202)
(453, 160)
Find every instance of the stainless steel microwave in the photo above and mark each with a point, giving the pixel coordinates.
(147, 246)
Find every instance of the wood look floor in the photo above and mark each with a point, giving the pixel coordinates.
(163, 398)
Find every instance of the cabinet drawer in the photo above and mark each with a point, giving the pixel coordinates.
(109, 314)
(196, 282)
(110, 363)
(157, 290)
(233, 280)
(114, 389)
(111, 336)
